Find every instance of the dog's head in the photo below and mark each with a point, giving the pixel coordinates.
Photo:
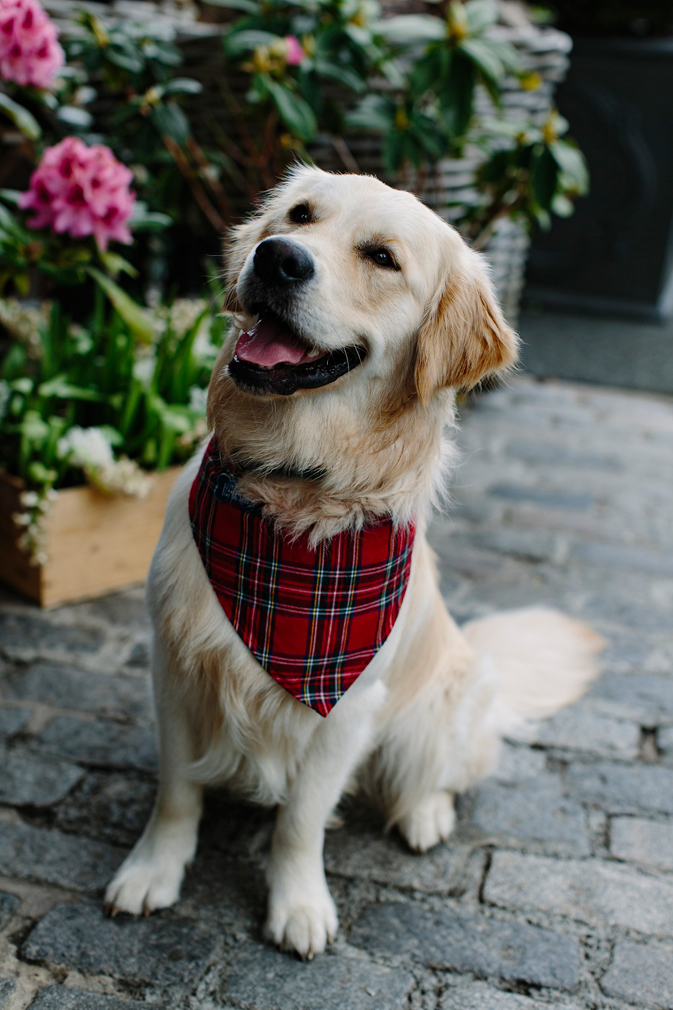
(341, 279)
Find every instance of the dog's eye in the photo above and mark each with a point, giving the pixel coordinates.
(382, 257)
(301, 214)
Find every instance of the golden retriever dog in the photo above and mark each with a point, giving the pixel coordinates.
(359, 313)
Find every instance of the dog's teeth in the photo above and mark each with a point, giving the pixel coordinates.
(314, 354)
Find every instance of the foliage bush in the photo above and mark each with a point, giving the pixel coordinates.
(98, 386)
(143, 398)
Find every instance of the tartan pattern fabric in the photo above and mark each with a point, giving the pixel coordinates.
(313, 618)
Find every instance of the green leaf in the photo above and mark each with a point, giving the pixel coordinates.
(486, 60)
(507, 54)
(543, 219)
(248, 6)
(114, 437)
(544, 178)
(457, 95)
(238, 43)
(163, 52)
(411, 29)
(38, 473)
(152, 222)
(11, 196)
(133, 314)
(349, 78)
(572, 163)
(62, 389)
(115, 264)
(71, 115)
(24, 120)
(14, 365)
(297, 114)
(183, 86)
(393, 151)
(480, 14)
(143, 219)
(125, 59)
(169, 119)
(373, 113)
(562, 206)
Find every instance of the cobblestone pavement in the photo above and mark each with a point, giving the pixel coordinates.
(557, 889)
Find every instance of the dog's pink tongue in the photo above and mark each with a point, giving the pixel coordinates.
(267, 344)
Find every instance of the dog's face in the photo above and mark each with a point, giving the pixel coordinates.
(341, 279)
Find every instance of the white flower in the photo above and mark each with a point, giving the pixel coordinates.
(90, 449)
(198, 399)
(184, 313)
(143, 369)
(189, 438)
(30, 499)
(121, 476)
(25, 322)
(85, 447)
(203, 346)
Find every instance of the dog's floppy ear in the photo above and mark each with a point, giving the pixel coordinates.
(465, 336)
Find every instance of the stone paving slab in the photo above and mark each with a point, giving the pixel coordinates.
(7, 990)
(556, 890)
(28, 781)
(51, 857)
(101, 744)
(532, 812)
(483, 997)
(8, 905)
(60, 998)
(640, 841)
(165, 950)
(592, 891)
(448, 939)
(640, 974)
(260, 978)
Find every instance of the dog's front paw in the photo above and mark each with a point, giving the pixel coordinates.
(430, 822)
(303, 924)
(144, 883)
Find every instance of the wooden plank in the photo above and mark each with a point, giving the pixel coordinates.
(96, 544)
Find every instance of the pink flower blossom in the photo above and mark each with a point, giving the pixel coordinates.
(29, 48)
(294, 54)
(82, 191)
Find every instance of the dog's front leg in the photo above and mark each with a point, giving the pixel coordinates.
(151, 875)
(301, 915)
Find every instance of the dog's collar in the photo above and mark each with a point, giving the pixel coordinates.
(311, 473)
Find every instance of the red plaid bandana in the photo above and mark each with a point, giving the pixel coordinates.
(313, 618)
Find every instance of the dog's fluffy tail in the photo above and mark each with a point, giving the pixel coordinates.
(543, 660)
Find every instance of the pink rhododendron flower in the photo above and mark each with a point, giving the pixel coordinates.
(294, 54)
(82, 191)
(29, 48)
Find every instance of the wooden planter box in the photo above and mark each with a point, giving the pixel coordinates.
(95, 543)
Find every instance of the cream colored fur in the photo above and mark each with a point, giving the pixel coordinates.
(425, 718)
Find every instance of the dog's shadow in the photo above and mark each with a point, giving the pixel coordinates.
(228, 875)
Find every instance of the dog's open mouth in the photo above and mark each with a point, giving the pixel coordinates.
(270, 358)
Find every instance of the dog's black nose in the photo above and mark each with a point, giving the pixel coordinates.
(280, 261)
